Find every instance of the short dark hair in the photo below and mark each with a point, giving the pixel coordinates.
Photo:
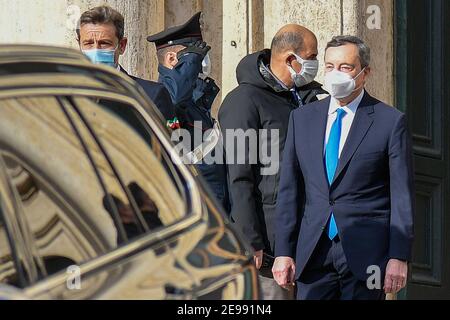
(363, 48)
(161, 53)
(103, 15)
(288, 41)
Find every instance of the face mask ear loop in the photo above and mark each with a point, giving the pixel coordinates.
(300, 60)
(360, 73)
(357, 78)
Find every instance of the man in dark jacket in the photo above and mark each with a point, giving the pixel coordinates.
(184, 68)
(101, 38)
(160, 97)
(272, 83)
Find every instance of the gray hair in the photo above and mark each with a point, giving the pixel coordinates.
(363, 49)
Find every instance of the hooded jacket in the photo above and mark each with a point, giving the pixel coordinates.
(259, 102)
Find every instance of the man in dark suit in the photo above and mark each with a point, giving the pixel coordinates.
(272, 83)
(345, 205)
(160, 97)
(101, 37)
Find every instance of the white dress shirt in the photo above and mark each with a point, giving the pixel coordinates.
(347, 120)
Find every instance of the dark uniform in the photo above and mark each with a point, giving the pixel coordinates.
(159, 95)
(192, 96)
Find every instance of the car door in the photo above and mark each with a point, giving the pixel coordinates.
(97, 232)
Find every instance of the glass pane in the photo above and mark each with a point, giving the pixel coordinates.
(139, 160)
(118, 199)
(60, 195)
(8, 271)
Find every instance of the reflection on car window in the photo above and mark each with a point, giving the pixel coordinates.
(58, 191)
(79, 198)
(138, 159)
(146, 206)
(8, 271)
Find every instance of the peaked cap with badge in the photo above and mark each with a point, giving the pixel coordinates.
(179, 35)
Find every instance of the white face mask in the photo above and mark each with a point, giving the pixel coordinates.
(308, 73)
(206, 67)
(339, 84)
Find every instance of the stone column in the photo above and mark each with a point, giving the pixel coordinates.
(142, 18)
(381, 41)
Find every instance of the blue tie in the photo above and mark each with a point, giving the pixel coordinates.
(297, 99)
(332, 160)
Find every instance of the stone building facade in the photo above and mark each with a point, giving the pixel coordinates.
(234, 28)
(410, 64)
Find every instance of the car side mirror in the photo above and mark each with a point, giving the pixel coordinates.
(8, 293)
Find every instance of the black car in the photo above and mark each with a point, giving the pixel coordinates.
(94, 202)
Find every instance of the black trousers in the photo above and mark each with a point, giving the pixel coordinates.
(328, 277)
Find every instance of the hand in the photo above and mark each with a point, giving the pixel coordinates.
(284, 271)
(258, 258)
(396, 276)
(199, 47)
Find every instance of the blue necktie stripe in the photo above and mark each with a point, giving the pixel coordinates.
(297, 99)
(332, 160)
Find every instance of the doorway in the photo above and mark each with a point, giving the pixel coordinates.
(423, 68)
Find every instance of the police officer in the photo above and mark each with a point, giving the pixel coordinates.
(184, 67)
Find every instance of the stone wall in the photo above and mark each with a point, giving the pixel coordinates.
(327, 18)
(52, 22)
(234, 28)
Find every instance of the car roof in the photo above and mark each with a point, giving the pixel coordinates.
(18, 52)
(35, 59)
(47, 67)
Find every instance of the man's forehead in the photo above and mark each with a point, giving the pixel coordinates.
(310, 51)
(310, 46)
(98, 30)
(348, 52)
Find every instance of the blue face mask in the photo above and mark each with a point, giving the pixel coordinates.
(102, 56)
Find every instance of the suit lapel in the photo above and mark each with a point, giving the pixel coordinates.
(317, 130)
(361, 125)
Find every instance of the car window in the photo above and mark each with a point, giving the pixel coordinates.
(58, 191)
(141, 163)
(126, 199)
(8, 272)
(89, 177)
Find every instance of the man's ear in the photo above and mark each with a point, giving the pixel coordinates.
(291, 60)
(123, 45)
(171, 59)
(367, 72)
